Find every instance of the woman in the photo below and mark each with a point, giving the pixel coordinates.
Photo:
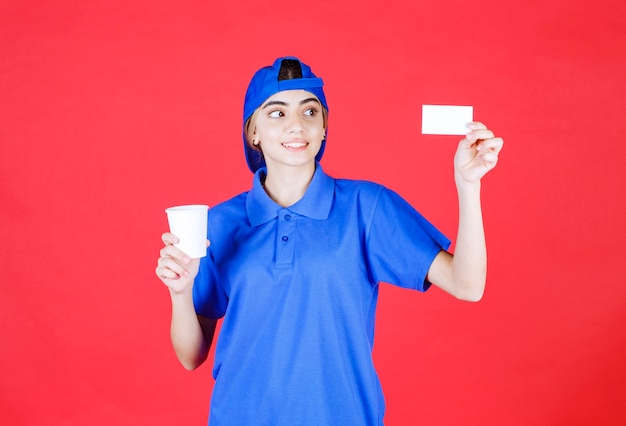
(294, 264)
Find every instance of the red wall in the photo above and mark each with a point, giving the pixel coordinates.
(111, 111)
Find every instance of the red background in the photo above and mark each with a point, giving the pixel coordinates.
(111, 111)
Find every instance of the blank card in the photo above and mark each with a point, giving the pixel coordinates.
(446, 119)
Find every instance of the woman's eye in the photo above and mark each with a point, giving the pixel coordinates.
(276, 114)
(311, 112)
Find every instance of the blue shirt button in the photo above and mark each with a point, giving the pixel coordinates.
(285, 238)
(287, 217)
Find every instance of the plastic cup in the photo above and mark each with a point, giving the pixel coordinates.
(189, 224)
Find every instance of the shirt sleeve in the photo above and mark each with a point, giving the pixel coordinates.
(401, 243)
(209, 298)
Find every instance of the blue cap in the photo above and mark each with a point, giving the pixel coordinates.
(264, 84)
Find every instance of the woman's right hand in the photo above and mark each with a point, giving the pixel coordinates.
(175, 268)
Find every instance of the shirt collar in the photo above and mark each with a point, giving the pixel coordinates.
(315, 203)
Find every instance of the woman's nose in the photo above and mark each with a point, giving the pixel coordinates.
(294, 124)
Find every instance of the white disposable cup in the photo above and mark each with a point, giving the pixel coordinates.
(189, 224)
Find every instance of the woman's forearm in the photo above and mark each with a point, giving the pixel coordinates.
(469, 263)
(191, 343)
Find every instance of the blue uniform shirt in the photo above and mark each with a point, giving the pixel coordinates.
(297, 288)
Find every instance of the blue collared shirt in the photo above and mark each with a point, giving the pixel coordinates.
(297, 288)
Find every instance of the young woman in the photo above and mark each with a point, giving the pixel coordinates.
(294, 264)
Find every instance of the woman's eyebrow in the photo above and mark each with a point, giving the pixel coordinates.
(309, 100)
(270, 103)
(302, 102)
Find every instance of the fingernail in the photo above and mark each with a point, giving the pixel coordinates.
(470, 135)
(186, 260)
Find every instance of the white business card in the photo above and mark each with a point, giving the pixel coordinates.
(446, 119)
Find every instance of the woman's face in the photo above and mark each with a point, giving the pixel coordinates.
(290, 128)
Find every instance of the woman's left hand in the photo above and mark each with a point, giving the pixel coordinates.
(477, 154)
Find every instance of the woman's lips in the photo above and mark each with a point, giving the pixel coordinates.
(295, 144)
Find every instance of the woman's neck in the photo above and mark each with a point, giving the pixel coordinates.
(287, 186)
